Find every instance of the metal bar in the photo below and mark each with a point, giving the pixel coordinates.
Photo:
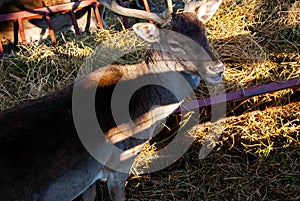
(255, 112)
(75, 24)
(240, 94)
(125, 19)
(22, 33)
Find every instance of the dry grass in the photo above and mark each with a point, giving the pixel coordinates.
(257, 155)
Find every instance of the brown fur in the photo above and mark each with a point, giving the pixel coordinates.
(41, 155)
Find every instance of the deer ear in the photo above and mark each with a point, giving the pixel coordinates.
(207, 10)
(147, 31)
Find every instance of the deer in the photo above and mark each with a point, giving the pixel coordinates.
(42, 153)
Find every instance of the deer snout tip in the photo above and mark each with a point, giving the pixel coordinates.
(219, 68)
(215, 73)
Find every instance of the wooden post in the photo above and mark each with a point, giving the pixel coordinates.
(1, 50)
(97, 15)
(147, 8)
(51, 31)
(22, 33)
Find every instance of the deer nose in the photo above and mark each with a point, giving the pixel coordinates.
(219, 68)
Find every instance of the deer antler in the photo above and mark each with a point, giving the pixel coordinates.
(160, 18)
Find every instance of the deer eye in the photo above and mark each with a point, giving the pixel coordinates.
(174, 46)
(177, 49)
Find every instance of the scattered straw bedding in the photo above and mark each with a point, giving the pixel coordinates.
(257, 154)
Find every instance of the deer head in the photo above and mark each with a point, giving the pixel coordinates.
(190, 43)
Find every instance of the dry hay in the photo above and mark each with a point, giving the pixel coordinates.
(257, 154)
